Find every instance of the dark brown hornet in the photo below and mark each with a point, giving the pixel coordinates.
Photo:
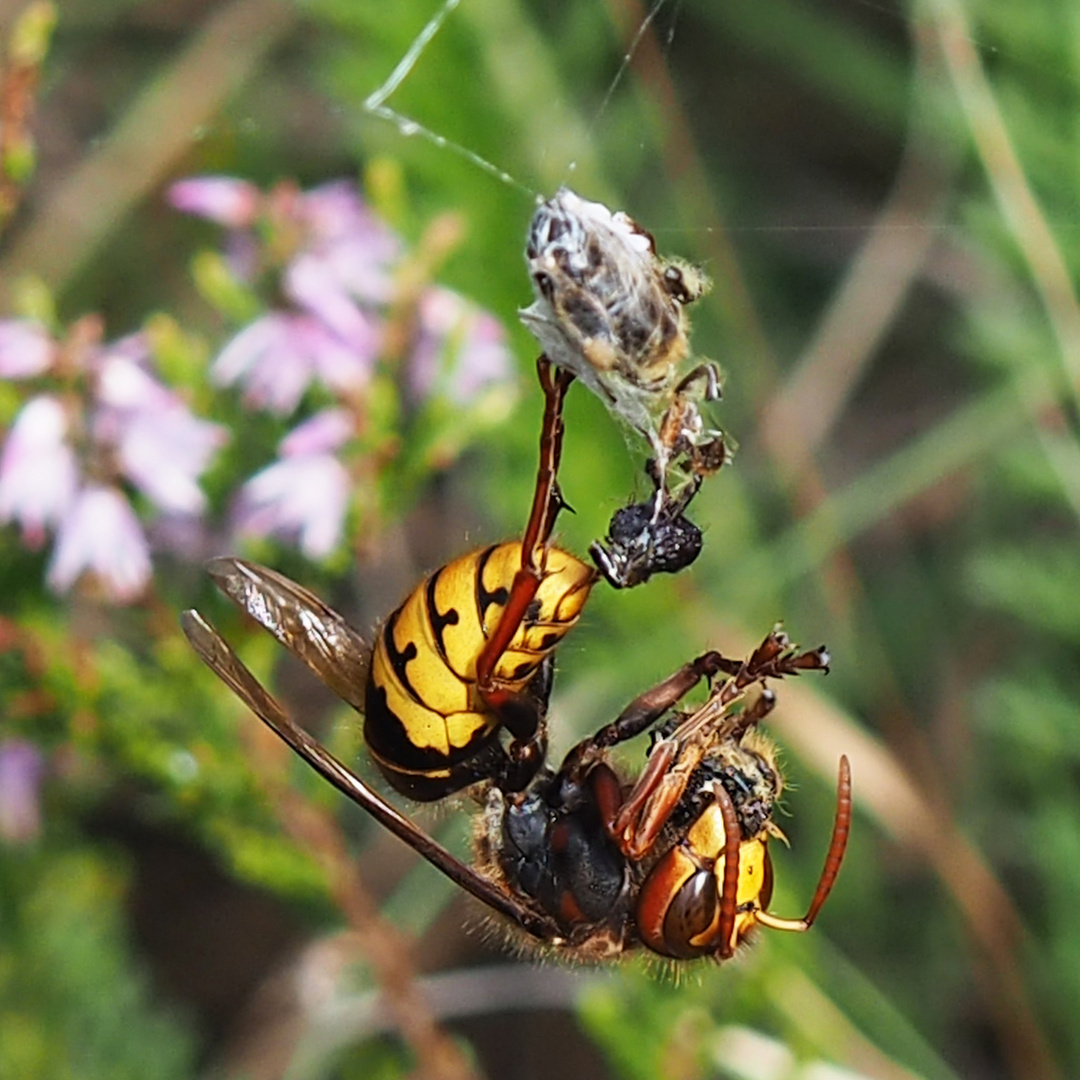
(455, 689)
(677, 862)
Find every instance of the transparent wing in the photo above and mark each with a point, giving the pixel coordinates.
(220, 658)
(223, 661)
(307, 627)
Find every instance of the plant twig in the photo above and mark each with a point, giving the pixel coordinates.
(382, 946)
(1016, 200)
(25, 47)
(800, 418)
(377, 940)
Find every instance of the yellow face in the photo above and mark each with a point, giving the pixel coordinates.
(678, 910)
(707, 836)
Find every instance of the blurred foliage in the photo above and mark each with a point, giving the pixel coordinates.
(929, 535)
(73, 1001)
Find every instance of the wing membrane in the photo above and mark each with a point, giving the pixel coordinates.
(306, 626)
(219, 656)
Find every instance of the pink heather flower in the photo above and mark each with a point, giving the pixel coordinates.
(21, 768)
(102, 535)
(225, 199)
(357, 248)
(125, 386)
(161, 447)
(460, 347)
(164, 454)
(323, 433)
(134, 347)
(304, 494)
(312, 284)
(26, 349)
(278, 355)
(130, 427)
(335, 263)
(38, 471)
(303, 497)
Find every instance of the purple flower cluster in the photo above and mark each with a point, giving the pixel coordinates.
(333, 268)
(332, 262)
(21, 768)
(97, 422)
(305, 493)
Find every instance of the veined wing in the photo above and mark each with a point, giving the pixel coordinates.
(307, 627)
(219, 656)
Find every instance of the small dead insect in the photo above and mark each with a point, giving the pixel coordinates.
(610, 310)
(678, 862)
(649, 537)
(655, 536)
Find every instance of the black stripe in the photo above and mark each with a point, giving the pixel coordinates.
(388, 738)
(400, 659)
(485, 599)
(439, 622)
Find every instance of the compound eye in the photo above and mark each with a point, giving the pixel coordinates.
(557, 228)
(545, 285)
(691, 912)
(676, 285)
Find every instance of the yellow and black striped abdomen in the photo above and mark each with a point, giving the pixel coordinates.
(424, 716)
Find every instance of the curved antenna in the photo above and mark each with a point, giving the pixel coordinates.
(835, 856)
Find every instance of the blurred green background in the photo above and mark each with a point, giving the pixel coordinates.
(886, 198)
